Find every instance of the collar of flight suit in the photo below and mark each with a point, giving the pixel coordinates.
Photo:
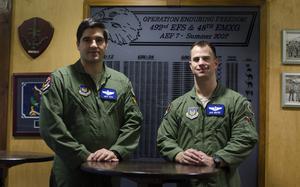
(106, 73)
(217, 92)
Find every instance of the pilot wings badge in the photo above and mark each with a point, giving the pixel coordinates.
(108, 94)
(215, 110)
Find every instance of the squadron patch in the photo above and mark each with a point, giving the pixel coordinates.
(168, 110)
(248, 119)
(250, 108)
(46, 85)
(132, 92)
(84, 90)
(192, 112)
(250, 113)
(133, 96)
(134, 100)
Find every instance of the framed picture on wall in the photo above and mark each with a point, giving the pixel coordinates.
(27, 89)
(291, 46)
(291, 90)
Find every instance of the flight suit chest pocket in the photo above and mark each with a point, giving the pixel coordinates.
(76, 111)
(218, 123)
(74, 102)
(220, 128)
(112, 105)
(189, 127)
(112, 112)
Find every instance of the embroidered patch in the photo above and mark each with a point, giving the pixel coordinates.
(84, 90)
(249, 108)
(248, 119)
(46, 85)
(134, 100)
(168, 110)
(215, 110)
(132, 96)
(192, 112)
(132, 92)
(108, 94)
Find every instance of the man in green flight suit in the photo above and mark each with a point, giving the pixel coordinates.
(88, 112)
(210, 125)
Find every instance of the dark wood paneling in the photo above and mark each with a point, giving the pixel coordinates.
(5, 30)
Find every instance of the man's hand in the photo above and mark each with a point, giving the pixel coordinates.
(189, 156)
(103, 155)
(194, 157)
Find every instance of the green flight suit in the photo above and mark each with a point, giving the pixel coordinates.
(76, 120)
(230, 136)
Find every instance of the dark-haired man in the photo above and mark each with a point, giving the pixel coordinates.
(88, 112)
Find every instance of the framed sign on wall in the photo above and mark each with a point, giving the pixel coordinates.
(290, 90)
(151, 46)
(291, 46)
(26, 102)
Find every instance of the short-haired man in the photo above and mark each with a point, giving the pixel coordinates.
(210, 125)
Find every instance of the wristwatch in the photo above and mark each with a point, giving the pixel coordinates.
(217, 161)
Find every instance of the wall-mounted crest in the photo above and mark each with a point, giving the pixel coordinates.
(35, 35)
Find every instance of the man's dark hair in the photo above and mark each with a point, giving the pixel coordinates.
(91, 23)
(205, 43)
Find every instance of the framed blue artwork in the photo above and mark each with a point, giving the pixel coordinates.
(26, 102)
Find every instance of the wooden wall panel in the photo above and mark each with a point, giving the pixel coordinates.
(263, 94)
(283, 125)
(5, 25)
(64, 17)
